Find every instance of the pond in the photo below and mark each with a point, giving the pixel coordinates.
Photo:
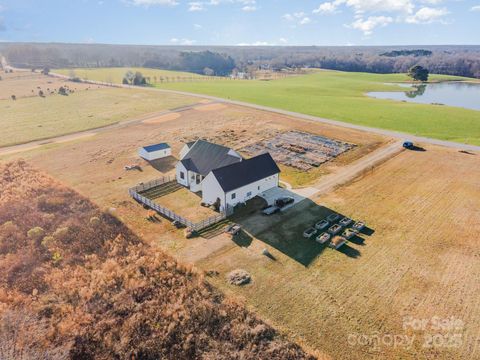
(461, 94)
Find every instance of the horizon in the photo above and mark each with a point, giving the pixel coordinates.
(242, 22)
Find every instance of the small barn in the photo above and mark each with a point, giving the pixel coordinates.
(154, 152)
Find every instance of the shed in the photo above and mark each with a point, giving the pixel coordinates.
(154, 152)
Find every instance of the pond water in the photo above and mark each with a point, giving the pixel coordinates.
(466, 95)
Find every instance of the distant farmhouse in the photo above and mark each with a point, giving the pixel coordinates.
(154, 152)
(222, 175)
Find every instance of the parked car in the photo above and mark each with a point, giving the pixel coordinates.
(408, 145)
(284, 201)
(272, 209)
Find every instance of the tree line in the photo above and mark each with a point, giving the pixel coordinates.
(222, 60)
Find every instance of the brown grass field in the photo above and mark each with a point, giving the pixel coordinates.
(419, 262)
(78, 284)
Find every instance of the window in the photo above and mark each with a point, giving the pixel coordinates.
(249, 194)
(182, 175)
(234, 196)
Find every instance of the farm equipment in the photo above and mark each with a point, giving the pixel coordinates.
(323, 224)
(358, 226)
(132, 167)
(309, 232)
(337, 242)
(333, 217)
(345, 221)
(323, 238)
(349, 233)
(335, 229)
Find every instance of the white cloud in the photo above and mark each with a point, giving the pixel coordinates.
(475, 8)
(375, 6)
(427, 15)
(327, 7)
(153, 2)
(249, 8)
(195, 6)
(257, 43)
(298, 17)
(283, 40)
(369, 24)
(197, 26)
(182, 41)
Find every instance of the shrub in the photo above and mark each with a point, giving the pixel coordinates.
(36, 233)
(61, 233)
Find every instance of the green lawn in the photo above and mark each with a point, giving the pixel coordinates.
(340, 96)
(116, 74)
(34, 118)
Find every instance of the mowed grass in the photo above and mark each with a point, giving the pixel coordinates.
(34, 118)
(418, 263)
(115, 75)
(341, 96)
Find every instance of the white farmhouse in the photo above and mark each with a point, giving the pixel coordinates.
(198, 158)
(153, 152)
(239, 182)
(222, 175)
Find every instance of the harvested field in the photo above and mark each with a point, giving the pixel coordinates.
(299, 150)
(416, 263)
(78, 284)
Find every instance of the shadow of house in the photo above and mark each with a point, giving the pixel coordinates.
(349, 251)
(284, 230)
(164, 165)
(242, 239)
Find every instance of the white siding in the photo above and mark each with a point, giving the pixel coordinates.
(149, 156)
(249, 191)
(184, 151)
(211, 190)
(179, 168)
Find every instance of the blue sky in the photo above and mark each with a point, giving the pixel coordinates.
(242, 22)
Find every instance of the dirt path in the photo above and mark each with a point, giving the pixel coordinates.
(355, 169)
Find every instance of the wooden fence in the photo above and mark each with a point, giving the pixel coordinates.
(134, 193)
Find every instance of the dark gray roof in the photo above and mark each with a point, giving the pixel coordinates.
(204, 156)
(234, 176)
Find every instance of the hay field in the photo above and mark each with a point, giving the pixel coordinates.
(33, 118)
(419, 263)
